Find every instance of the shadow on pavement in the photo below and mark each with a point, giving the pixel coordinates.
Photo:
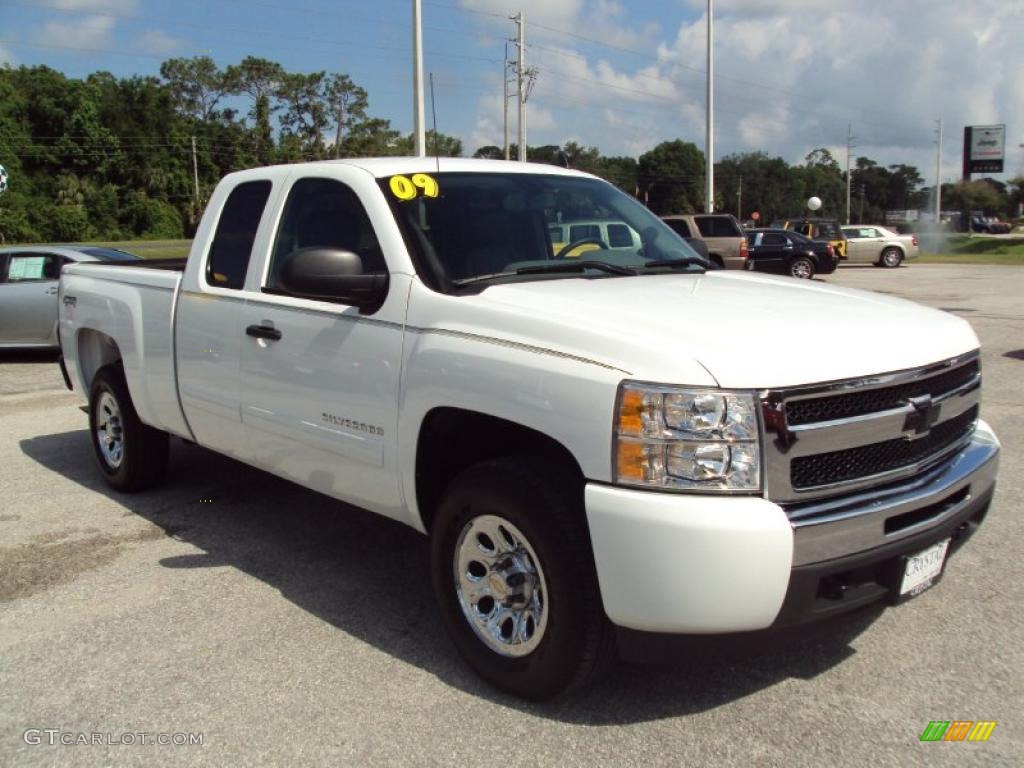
(29, 355)
(369, 577)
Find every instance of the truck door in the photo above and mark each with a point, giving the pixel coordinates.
(320, 380)
(208, 330)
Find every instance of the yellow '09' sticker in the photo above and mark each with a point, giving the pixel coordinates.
(406, 188)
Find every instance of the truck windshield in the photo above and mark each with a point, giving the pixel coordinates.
(483, 227)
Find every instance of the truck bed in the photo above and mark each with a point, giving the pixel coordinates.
(127, 306)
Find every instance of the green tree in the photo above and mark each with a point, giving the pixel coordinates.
(259, 79)
(305, 114)
(671, 177)
(197, 85)
(347, 103)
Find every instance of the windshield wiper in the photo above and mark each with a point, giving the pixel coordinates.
(685, 261)
(553, 267)
(575, 266)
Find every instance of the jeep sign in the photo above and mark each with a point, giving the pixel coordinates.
(984, 149)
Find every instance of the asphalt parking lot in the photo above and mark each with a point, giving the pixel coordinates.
(288, 629)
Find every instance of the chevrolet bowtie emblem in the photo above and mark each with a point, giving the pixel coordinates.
(919, 422)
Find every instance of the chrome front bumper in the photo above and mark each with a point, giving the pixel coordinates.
(836, 527)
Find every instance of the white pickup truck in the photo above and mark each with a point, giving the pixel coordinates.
(606, 446)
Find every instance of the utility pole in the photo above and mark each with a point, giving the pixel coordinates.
(195, 170)
(709, 139)
(739, 200)
(419, 133)
(504, 99)
(849, 146)
(938, 173)
(520, 20)
(860, 218)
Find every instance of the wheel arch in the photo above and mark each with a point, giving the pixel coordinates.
(95, 350)
(452, 439)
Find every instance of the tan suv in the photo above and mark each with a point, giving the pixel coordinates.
(720, 232)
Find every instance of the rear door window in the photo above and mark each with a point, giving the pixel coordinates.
(33, 266)
(231, 249)
(771, 238)
(718, 226)
(579, 232)
(619, 236)
(679, 226)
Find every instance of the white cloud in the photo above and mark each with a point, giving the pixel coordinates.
(158, 43)
(88, 32)
(790, 76)
(91, 6)
(6, 57)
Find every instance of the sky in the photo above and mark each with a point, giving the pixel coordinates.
(790, 75)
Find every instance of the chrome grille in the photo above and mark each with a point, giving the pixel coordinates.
(867, 460)
(817, 409)
(829, 439)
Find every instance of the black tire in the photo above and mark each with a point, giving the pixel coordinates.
(142, 461)
(891, 258)
(800, 267)
(577, 641)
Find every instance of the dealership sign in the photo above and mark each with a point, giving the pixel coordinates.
(984, 148)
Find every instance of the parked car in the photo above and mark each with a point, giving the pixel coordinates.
(571, 239)
(826, 230)
(789, 253)
(602, 450)
(28, 289)
(989, 224)
(870, 243)
(721, 233)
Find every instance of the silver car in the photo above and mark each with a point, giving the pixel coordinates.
(878, 245)
(28, 290)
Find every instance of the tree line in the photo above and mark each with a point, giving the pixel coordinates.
(112, 158)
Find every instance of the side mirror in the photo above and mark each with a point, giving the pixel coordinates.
(699, 246)
(331, 274)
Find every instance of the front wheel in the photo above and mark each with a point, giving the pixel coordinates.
(515, 579)
(131, 455)
(801, 267)
(891, 257)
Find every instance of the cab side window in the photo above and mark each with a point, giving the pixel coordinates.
(236, 232)
(324, 213)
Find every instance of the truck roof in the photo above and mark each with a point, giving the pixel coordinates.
(389, 166)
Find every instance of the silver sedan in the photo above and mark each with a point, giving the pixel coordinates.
(878, 245)
(28, 290)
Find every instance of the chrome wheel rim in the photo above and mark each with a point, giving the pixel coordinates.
(801, 269)
(500, 586)
(109, 430)
(891, 258)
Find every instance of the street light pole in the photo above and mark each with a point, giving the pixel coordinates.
(419, 133)
(938, 174)
(709, 141)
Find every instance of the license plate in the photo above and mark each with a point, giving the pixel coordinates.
(921, 569)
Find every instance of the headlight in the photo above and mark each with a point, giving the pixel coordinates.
(682, 438)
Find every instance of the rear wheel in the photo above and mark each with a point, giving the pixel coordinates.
(515, 580)
(801, 267)
(891, 257)
(131, 455)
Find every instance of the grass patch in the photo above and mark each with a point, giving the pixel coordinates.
(150, 249)
(962, 249)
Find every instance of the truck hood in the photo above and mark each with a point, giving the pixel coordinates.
(729, 329)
